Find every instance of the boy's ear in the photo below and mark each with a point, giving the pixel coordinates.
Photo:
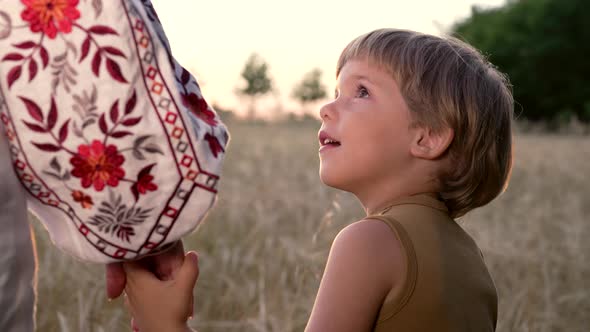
(430, 144)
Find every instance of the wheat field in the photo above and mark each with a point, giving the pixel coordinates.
(262, 249)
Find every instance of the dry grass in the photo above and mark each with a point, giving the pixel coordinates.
(263, 248)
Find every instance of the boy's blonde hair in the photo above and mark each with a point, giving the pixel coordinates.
(447, 83)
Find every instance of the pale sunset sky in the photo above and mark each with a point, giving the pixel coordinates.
(214, 38)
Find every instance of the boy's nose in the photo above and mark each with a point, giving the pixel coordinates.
(327, 111)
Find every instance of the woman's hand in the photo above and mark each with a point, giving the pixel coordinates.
(158, 305)
(164, 265)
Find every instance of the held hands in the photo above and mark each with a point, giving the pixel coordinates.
(164, 265)
(158, 305)
(163, 270)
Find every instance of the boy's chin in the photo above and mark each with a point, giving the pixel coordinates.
(331, 180)
(326, 179)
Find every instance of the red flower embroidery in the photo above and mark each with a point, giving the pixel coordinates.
(83, 199)
(144, 182)
(50, 16)
(214, 144)
(97, 165)
(198, 106)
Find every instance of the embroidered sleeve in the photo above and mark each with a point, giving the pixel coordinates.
(111, 138)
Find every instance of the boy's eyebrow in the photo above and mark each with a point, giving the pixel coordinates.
(358, 77)
(362, 77)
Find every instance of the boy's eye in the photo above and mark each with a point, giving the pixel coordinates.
(362, 92)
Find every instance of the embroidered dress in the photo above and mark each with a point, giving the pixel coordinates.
(117, 149)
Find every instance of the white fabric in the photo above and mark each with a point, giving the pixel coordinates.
(116, 147)
(17, 264)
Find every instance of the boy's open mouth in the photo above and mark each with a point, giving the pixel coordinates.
(325, 139)
(329, 141)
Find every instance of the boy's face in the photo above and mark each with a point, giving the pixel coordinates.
(370, 124)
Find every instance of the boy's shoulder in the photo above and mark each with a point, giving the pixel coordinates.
(369, 232)
(372, 241)
(357, 277)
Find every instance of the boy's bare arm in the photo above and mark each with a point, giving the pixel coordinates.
(363, 263)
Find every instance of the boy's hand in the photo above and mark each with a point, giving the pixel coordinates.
(164, 265)
(158, 305)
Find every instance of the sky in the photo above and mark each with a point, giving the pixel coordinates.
(213, 39)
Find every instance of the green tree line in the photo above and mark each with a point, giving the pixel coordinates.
(544, 47)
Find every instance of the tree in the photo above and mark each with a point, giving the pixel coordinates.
(310, 89)
(543, 47)
(258, 82)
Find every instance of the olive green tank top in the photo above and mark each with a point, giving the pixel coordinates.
(447, 287)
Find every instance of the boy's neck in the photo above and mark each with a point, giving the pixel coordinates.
(379, 196)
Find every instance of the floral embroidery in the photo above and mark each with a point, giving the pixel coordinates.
(198, 106)
(144, 182)
(214, 144)
(116, 218)
(102, 153)
(200, 109)
(50, 16)
(83, 199)
(98, 165)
